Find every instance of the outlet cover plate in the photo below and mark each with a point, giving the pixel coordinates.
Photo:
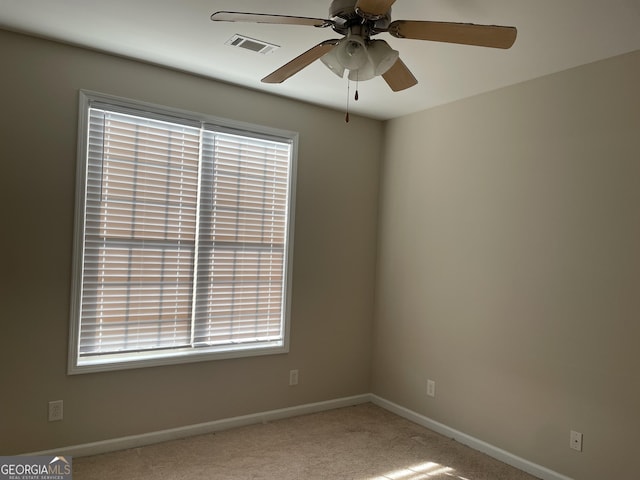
(575, 440)
(431, 388)
(56, 411)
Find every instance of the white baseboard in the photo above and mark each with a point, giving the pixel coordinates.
(134, 441)
(495, 452)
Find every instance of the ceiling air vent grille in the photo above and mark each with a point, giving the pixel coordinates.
(251, 44)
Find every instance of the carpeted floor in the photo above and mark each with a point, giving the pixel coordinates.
(363, 442)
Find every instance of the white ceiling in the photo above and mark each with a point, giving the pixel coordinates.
(553, 35)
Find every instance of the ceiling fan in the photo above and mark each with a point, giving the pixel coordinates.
(364, 58)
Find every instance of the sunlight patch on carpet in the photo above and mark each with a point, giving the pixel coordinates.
(420, 472)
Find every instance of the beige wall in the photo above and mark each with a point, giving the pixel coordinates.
(334, 256)
(509, 267)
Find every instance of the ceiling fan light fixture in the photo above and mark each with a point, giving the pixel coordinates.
(351, 52)
(330, 59)
(366, 72)
(382, 56)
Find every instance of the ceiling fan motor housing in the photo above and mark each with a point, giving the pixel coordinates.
(343, 14)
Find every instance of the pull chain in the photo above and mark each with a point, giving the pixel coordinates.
(346, 118)
(356, 96)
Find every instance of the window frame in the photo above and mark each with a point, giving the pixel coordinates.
(122, 361)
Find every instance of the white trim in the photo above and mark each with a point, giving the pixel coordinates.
(486, 448)
(134, 441)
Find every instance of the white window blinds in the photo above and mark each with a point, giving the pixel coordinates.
(184, 246)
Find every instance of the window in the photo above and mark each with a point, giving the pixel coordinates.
(183, 237)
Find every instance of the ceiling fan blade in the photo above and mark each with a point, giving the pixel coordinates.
(267, 18)
(373, 8)
(464, 33)
(301, 61)
(399, 77)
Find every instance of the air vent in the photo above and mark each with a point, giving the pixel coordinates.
(251, 44)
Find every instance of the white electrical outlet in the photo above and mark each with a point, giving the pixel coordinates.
(55, 411)
(431, 388)
(293, 377)
(575, 440)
